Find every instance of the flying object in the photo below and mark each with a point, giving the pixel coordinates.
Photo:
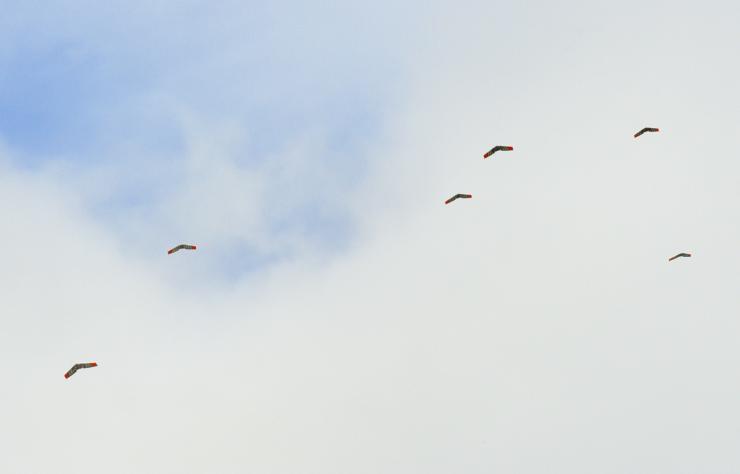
(458, 196)
(646, 129)
(180, 247)
(679, 255)
(77, 367)
(497, 148)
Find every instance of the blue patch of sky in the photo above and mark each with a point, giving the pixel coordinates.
(56, 102)
(328, 233)
(242, 261)
(66, 100)
(44, 101)
(61, 102)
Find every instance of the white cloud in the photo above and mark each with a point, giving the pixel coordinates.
(537, 327)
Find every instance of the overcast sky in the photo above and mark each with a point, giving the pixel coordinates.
(337, 317)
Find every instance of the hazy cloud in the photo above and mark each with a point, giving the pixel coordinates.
(337, 316)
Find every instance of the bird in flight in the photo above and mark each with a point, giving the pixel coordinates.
(497, 148)
(180, 247)
(682, 254)
(77, 367)
(458, 196)
(646, 129)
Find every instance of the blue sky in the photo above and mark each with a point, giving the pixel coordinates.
(97, 77)
(89, 88)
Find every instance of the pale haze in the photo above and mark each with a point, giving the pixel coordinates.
(337, 317)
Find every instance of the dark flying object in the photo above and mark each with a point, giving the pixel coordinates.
(77, 367)
(458, 196)
(646, 129)
(180, 247)
(679, 255)
(497, 148)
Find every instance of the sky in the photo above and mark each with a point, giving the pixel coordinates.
(337, 317)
